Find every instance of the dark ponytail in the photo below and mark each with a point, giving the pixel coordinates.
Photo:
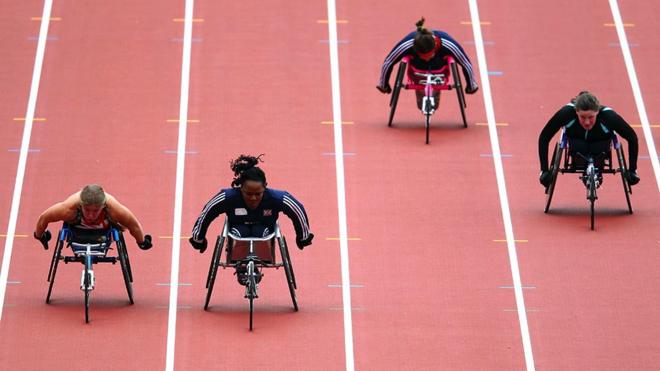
(245, 168)
(424, 41)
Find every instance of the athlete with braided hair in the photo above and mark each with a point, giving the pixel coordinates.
(428, 49)
(252, 208)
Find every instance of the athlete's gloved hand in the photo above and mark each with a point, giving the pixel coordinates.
(45, 237)
(146, 244)
(199, 245)
(384, 89)
(545, 178)
(632, 177)
(306, 242)
(470, 90)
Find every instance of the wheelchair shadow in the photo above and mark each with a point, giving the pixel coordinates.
(440, 125)
(78, 301)
(584, 211)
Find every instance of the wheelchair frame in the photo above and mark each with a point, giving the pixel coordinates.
(429, 86)
(588, 173)
(89, 254)
(253, 262)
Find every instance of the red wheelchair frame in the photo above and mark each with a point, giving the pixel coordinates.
(446, 78)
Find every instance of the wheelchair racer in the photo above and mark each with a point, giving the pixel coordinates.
(91, 208)
(590, 128)
(428, 49)
(251, 208)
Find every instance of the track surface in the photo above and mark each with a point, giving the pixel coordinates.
(431, 281)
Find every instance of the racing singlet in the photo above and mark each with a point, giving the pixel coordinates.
(101, 222)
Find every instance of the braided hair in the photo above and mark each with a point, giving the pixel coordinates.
(244, 168)
(585, 101)
(424, 40)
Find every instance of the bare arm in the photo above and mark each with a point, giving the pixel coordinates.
(122, 215)
(61, 211)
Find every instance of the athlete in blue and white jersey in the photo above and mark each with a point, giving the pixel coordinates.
(251, 208)
(590, 128)
(428, 49)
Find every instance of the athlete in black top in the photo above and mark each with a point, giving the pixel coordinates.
(590, 128)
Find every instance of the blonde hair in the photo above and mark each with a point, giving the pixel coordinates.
(92, 194)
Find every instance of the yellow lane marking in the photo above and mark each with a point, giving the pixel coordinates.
(518, 241)
(651, 125)
(34, 119)
(339, 21)
(349, 238)
(195, 20)
(54, 19)
(189, 120)
(332, 122)
(483, 23)
(171, 237)
(614, 25)
(496, 124)
(16, 235)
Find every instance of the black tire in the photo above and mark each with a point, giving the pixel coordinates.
(125, 268)
(623, 169)
(288, 271)
(217, 250)
(54, 263)
(428, 126)
(86, 288)
(128, 260)
(251, 311)
(554, 169)
(398, 84)
(213, 272)
(459, 91)
(593, 213)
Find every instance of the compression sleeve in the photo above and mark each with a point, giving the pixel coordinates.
(212, 209)
(296, 212)
(615, 122)
(559, 119)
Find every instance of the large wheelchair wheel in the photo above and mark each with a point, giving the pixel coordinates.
(623, 168)
(554, 171)
(213, 270)
(459, 91)
(87, 282)
(288, 271)
(125, 267)
(128, 261)
(57, 253)
(398, 84)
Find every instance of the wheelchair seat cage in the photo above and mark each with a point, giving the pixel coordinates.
(249, 255)
(89, 247)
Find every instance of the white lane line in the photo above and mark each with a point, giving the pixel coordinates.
(178, 192)
(25, 143)
(501, 186)
(341, 188)
(637, 92)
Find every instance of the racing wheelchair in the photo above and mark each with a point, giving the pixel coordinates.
(446, 78)
(249, 256)
(89, 247)
(590, 167)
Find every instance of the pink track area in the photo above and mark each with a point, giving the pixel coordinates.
(431, 277)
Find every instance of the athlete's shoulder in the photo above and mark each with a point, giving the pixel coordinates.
(276, 194)
(230, 192)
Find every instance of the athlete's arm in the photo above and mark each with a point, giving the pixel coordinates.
(60, 211)
(621, 127)
(122, 215)
(559, 119)
(401, 49)
(213, 208)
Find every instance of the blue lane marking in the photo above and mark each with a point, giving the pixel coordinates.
(495, 73)
(174, 152)
(333, 153)
(48, 38)
(338, 41)
(491, 155)
(192, 39)
(18, 150)
(646, 157)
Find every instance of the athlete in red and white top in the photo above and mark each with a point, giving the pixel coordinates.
(91, 208)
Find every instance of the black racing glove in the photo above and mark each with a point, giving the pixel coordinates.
(470, 90)
(384, 89)
(199, 245)
(45, 237)
(632, 177)
(306, 242)
(545, 178)
(146, 244)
